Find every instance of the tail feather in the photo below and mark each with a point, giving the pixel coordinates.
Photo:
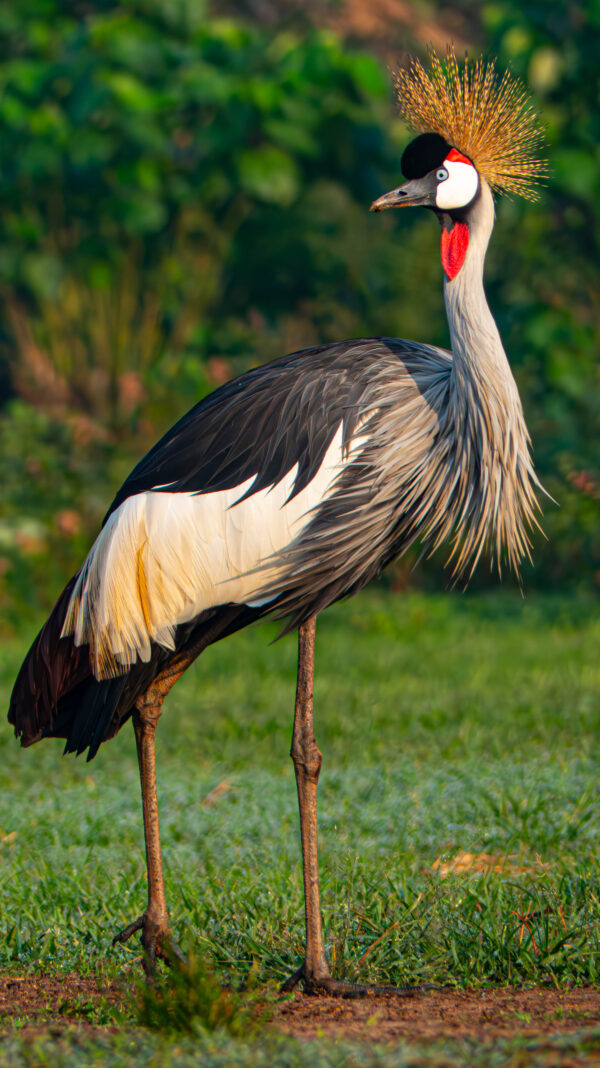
(92, 722)
(56, 694)
(51, 668)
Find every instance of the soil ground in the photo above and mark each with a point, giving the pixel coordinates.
(444, 1014)
(432, 1015)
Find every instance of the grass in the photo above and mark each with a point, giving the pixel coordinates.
(187, 998)
(456, 730)
(118, 1051)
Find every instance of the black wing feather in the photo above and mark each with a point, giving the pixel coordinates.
(258, 426)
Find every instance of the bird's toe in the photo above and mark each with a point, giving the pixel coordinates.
(157, 941)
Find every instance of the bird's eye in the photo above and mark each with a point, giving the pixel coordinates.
(442, 174)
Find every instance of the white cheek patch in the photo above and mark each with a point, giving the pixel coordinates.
(459, 188)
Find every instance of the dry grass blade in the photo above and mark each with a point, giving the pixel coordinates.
(467, 863)
(216, 793)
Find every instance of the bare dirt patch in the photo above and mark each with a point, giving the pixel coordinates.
(443, 1014)
(65, 1000)
(54, 999)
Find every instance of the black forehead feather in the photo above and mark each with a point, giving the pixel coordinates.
(423, 155)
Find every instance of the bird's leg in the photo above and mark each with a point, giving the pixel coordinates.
(307, 765)
(314, 972)
(154, 922)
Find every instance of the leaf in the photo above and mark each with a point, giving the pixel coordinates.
(577, 170)
(269, 174)
(368, 74)
(130, 91)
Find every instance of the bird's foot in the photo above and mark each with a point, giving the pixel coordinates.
(326, 986)
(157, 941)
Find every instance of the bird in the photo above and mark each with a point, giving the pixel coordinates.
(295, 484)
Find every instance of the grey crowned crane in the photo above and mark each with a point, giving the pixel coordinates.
(295, 484)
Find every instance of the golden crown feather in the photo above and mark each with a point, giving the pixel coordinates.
(488, 118)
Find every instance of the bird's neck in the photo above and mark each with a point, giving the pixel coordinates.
(479, 357)
(484, 404)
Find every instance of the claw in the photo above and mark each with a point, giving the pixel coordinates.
(292, 982)
(337, 988)
(127, 932)
(175, 954)
(156, 942)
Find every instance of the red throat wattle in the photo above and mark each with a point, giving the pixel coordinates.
(455, 243)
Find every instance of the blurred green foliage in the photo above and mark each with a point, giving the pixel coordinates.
(545, 273)
(184, 195)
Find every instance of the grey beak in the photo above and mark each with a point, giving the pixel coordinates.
(409, 195)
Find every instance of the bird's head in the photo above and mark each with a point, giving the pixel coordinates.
(478, 129)
(443, 179)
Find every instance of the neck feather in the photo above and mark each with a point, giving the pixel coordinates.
(485, 410)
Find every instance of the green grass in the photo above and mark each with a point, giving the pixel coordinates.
(447, 724)
(72, 1050)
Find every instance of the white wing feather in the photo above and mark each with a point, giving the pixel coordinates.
(162, 558)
